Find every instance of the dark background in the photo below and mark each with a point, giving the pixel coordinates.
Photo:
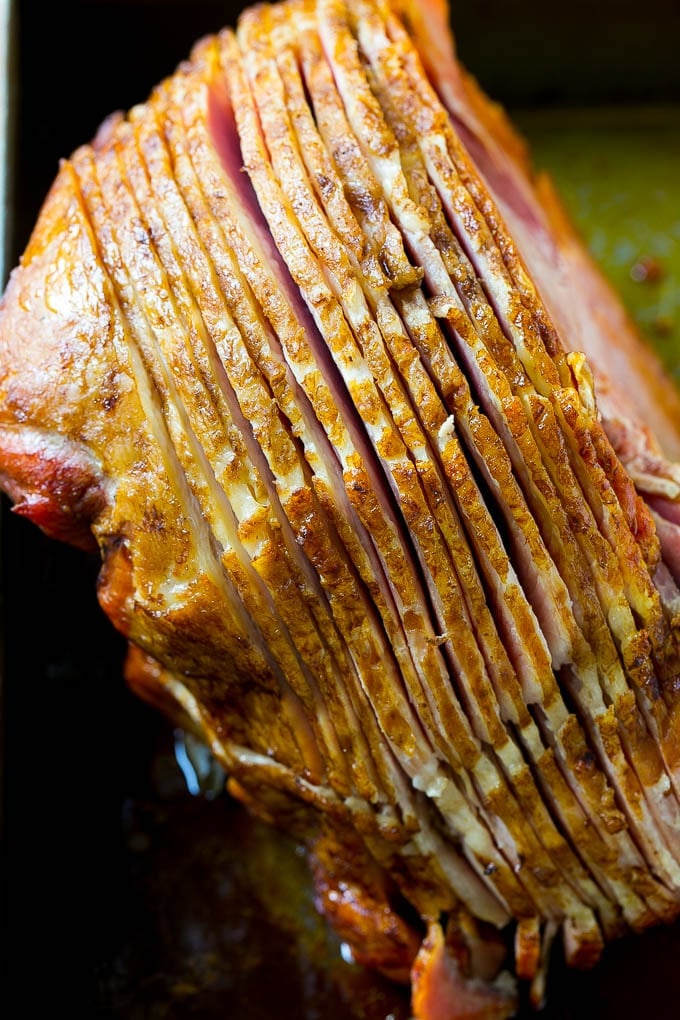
(123, 896)
(81, 59)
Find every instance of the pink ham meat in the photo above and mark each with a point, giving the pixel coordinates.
(295, 344)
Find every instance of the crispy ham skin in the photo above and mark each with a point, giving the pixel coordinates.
(386, 488)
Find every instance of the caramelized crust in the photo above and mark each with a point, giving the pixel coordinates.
(291, 346)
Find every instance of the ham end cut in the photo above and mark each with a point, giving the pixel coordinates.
(385, 484)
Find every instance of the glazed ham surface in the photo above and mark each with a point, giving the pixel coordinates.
(386, 488)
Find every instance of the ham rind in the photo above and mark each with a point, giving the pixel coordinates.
(289, 344)
(268, 788)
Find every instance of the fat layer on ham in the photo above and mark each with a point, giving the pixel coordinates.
(303, 345)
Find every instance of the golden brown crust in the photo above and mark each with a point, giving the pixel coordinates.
(275, 344)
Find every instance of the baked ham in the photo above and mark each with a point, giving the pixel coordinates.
(385, 484)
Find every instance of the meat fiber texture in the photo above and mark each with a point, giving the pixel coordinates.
(386, 488)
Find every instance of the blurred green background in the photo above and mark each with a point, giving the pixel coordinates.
(618, 171)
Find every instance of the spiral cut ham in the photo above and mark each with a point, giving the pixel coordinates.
(386, 488)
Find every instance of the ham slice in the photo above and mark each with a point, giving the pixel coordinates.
(291, 345)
